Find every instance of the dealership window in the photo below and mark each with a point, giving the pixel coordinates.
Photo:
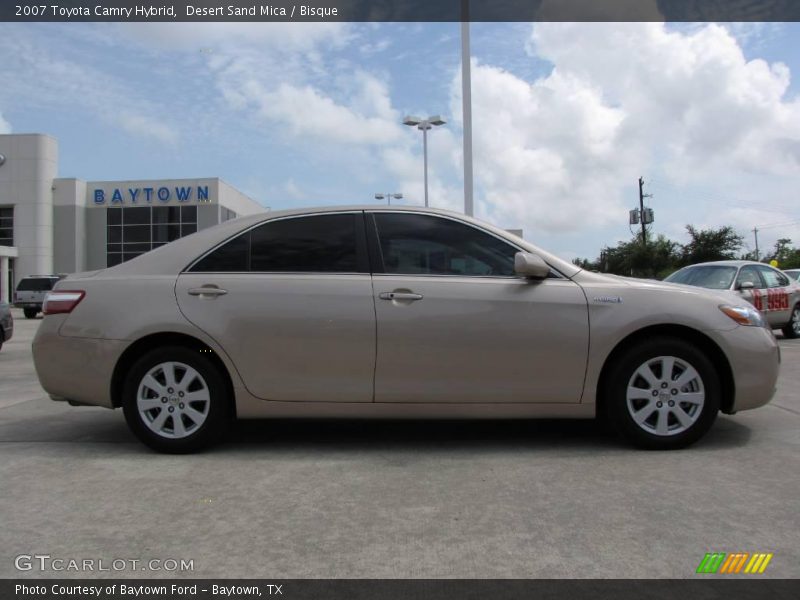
(7, 226)
(134, 230)
(226, 214)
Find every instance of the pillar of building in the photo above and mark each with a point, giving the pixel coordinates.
(4, 292)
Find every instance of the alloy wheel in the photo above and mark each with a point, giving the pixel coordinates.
(665, 395)
(173, 400)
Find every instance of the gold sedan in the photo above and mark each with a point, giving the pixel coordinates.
(393, 313)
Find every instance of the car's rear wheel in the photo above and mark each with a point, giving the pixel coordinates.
(662, 394)
(792, 329)
(175, 400)
(30, 313)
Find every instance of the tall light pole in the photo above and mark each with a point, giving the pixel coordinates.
(424, 125)
(466, 106)
(388, 197)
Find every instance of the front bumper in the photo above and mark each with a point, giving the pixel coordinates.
(755, 358)
(8, 330)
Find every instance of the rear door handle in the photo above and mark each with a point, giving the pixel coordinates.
(399, 296)
(206, 291)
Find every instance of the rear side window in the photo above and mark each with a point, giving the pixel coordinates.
(773, 278)
(36, 284)
(427, 245)
(313, 244)
(232, 257)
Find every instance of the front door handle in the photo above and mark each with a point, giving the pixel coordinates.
(207, 291)
(400, 296)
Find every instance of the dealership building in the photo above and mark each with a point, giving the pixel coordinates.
(51, 224)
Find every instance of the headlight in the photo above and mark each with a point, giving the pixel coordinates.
(744, 315)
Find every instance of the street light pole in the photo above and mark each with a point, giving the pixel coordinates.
(425, 159)
(424, 125)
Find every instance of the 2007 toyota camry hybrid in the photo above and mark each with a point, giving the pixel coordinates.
(393, 312)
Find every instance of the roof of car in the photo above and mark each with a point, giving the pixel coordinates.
(729, 263)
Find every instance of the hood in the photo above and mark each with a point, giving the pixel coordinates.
(726, 296)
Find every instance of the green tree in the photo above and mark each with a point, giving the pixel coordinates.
(710, 244)
(632, 258)
(788, 257)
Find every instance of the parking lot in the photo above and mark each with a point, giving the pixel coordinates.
(353, 499)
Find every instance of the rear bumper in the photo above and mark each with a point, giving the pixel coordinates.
(75, 369)
(36, 305)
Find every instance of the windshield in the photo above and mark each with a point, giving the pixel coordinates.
(36, 284)
(715, 277)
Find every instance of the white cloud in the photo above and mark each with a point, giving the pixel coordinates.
(145, 126)
(556, 154)
(45, 76)
(5, 126)
(309, 113)
(286, 38)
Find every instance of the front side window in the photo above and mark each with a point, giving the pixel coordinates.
(749, 274)
(412, 244)
(313, 244)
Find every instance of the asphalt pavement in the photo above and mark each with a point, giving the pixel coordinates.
(383, 499)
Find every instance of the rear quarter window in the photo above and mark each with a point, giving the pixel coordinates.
(36, 284)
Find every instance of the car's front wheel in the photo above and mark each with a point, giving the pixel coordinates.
(175, 400)
(30, 313)
(662, 394)
(792, 329)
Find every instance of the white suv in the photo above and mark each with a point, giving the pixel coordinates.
(31, 291)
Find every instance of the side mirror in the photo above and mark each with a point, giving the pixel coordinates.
(530, 265)
(746, 285)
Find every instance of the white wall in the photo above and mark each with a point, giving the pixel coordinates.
(26, 181)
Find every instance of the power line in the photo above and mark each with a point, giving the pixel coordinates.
(734, 202)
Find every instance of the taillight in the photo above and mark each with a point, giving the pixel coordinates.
(61, 301)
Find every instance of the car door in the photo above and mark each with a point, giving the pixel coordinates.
(749, 274)
(455, 324)
(290, 301)
(776, 301)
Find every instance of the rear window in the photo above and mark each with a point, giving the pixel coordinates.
(36, 284)
(715, 277)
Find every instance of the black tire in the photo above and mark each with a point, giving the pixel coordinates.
(679, 435)
(792, 329)
(218, 409)
(30, 313)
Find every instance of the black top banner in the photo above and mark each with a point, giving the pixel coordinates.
(399, 10)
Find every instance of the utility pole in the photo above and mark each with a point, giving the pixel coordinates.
(755, 233)
(641, 210)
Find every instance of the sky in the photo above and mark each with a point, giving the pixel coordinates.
(566, 117)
